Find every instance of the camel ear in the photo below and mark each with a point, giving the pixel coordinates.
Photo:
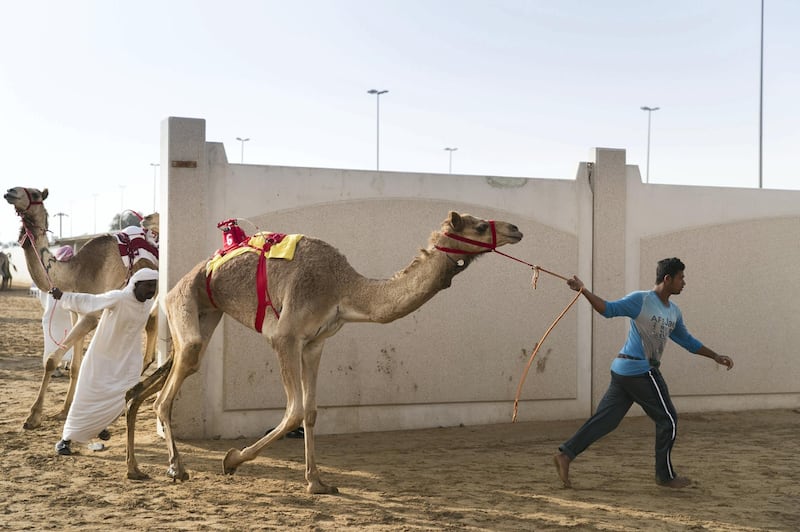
(44, 194)
(455, 221)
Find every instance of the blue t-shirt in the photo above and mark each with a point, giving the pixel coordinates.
(651, 324)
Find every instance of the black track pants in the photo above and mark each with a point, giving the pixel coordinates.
(649, 391)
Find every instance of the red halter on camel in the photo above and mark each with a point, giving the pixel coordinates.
(488, 247)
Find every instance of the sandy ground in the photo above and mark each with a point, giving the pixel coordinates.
(745, 468)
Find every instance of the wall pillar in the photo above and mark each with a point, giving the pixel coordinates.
(609, 186)
(182, 239)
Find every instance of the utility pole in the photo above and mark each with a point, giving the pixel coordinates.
(377, 94)
(649, 115)
(60, 219)
(450, 166)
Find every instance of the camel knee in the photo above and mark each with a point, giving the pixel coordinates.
(311, 418)
(294, 419)
(162, 409)
(51, 363)
(190, 355)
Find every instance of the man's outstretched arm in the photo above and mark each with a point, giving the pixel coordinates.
(598, 303)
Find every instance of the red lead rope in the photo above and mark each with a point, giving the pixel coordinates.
(536, 350)
(28, 235)
(536, 270)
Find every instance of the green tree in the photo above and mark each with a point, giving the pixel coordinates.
(123, 220)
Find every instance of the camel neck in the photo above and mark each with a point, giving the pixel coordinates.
(386, 300)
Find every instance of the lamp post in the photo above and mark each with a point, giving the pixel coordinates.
(761, 105)
(240, 139)
(155, 169)
(377, 94)
(450, 166)
(95, 214)
(60, 219)
(649, 115)
(121, 205)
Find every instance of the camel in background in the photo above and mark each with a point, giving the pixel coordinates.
(5, 270)
(314, 294)
(98, 267)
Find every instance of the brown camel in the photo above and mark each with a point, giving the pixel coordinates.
(315, 294)
(5, 270)
(96, 268)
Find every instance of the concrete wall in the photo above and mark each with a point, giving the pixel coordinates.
(458, 359)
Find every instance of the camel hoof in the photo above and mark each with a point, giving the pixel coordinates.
(137, 475)
(228, 465)
(318, 488)
(175, 475)
(32, 423)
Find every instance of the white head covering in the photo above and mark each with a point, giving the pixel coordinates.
(145, 274)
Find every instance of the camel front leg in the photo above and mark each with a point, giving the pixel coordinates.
(288, 350)
(80, 329)
(190, 336)
(163, 408)
(311, 358)
(135, 397)
(34, 419)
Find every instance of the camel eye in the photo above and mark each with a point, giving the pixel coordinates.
(482, 227)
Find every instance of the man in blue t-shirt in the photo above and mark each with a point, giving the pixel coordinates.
(635, 377)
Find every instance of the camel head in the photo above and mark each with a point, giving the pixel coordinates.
(29, 205)
(23, 198)
(467, 235)
(151, 223)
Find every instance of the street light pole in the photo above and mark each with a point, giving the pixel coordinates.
(761, 105)
(121, 205)
(451, 150)
(95, 213)
(155, 169)
(60, 219)
(649, 115)
(377, 94)
(240, 139)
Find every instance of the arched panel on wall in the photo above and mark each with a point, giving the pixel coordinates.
(740, 299)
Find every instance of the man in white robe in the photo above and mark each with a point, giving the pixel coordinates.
(56, 324)
(113, 362)
(56, 320)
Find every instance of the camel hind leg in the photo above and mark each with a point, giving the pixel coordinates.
(151, 330)
(191, 333)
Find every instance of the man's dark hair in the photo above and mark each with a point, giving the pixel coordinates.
(668, 267)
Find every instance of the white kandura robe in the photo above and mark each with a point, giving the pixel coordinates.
(56, 324)
(113, 362)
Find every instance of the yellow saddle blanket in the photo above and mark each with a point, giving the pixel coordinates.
(259, 241)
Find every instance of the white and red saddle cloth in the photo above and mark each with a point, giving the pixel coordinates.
(135, 244)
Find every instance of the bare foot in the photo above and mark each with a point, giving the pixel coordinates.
(676, 483)
(562, 461)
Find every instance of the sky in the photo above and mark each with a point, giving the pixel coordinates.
(523, 88)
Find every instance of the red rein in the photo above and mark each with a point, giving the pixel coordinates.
(536, 270)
